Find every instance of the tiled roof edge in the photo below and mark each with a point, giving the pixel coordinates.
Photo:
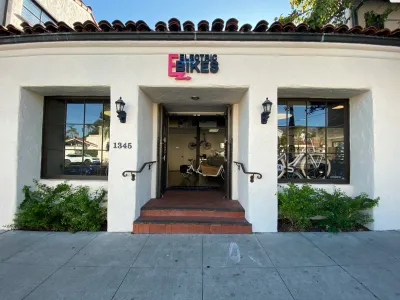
(200, 36)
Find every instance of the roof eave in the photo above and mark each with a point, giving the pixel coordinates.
(202, 36)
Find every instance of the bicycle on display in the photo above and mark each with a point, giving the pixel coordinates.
(206, 145)
(310, 165)
(190, 169)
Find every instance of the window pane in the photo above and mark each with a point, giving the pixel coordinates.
(316, 139)
(316, 113)
(291, 165)
(104, 163)
(296, 139)
(73, 147)
(335, 139)
(336, 114)
(54, 136)
(54, 162)
(296, 113)
(55, 112)
(30, 17)
(75, 112)
(74, 131)
(282, 113)
(33, 7)
(337, 170)
(94, 113)
(106, 138)
(282, 139)
(46, 18)
(316, 166)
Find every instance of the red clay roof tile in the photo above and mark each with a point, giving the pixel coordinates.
(105, 26)
(130, 26)
(261, 26)
(203, 26)
(232, 25)
(189, 26)
(245, 28)
(174, 25)
(217, 25)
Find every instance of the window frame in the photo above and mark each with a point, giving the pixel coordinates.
(346, 128)
(44, 128)
(42, 11)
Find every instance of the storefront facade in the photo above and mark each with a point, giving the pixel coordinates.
(359, 72)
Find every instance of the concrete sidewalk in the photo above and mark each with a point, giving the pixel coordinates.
(278, 266)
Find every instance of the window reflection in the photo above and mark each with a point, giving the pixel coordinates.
(75, 112)
(311, 140)
(296, 113)
(82, 145)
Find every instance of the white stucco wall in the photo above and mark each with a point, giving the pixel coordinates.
(68, 11)
(29, 139)
(262, 67)
(144, 151)
(243, 152)
(393, 21)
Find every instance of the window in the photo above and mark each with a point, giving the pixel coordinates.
(313, 140)
(76, 136)
(34, 14)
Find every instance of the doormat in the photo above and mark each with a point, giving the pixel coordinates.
(193, 188)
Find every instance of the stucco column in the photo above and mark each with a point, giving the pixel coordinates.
(263, 204)
(9, 112)
(121, 190)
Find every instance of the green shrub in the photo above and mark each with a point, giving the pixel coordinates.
(343, 212)
(61, 208)
(298, 204)
(338, 212)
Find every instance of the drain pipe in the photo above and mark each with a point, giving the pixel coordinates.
(354, 13)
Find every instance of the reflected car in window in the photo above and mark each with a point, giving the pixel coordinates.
(79, 159)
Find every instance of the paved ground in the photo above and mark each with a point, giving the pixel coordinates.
(281, 266)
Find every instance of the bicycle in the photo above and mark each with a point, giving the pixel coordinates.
(206, 145)
(312, 165)
(188, 170)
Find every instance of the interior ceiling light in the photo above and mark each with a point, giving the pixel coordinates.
(195, 98)
(214, 130)
(338, 107)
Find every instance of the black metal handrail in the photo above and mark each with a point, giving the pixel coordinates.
(133, 173)
(241, 165)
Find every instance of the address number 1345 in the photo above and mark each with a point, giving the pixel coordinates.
(122, 145)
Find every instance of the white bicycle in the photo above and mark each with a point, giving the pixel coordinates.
(312, 165)
(188, 170)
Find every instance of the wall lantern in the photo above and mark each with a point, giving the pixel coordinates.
(120, 110)
(267, 105)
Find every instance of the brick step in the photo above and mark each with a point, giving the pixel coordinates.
(190, 212)
(205, 225)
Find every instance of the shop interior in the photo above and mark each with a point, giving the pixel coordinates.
(196, 152)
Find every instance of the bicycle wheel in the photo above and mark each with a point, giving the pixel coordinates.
(293, 175)
(207, 146)
(315, 167)
(186, 175)
(281, 168)
(192, 145)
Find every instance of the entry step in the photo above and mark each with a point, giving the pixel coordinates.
(205, 225)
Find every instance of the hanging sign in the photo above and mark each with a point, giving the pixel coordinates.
(179, 65)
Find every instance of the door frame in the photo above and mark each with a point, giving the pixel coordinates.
(228, 151)
(162, 150)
